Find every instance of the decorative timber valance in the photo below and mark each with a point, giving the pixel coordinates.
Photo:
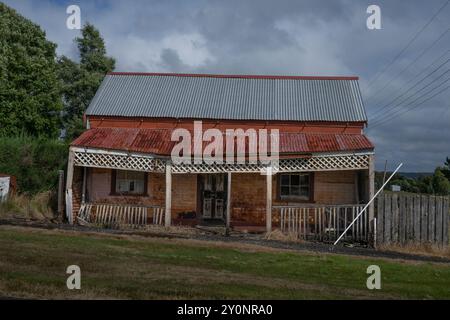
(141, 162)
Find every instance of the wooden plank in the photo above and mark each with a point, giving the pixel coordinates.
(155, 215)
(417, 215)
(387, 218)
(301, 214)
(353, 226)
(146, 216)
(424, 218)
(294, 223)
(333, 222)
(319, 224)
(110, 215)
(395, 218)
(316, 227)
(100, 214)
(338, 221)
(103, 215)
(402, 219)
(358, 225)
(380, 219)
(345, 219)
(431, 218)
(305, 222)
(445, 218)
(439, 221)
(409, 218)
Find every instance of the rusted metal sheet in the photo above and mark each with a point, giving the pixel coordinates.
(8, 186)
(158, 141)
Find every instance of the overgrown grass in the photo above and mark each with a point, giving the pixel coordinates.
(33, 264)
(426, 249)
(22, 206)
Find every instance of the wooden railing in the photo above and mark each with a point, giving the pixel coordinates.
(322, 222)
(119, 215)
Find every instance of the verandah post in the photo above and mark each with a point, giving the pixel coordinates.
(269, 200)
(168, 215)
(228, 218)
(70, 168)
(371, 187)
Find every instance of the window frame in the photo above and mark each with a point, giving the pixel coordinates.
(291, 198)
(128, 194)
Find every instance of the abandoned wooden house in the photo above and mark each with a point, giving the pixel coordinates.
(121, 171)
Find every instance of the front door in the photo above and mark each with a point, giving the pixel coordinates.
(213, 196)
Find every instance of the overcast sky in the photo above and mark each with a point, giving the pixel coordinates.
(320, 37)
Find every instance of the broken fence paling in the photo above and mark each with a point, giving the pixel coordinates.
(115, 214)
(324, 223)
(410, 218)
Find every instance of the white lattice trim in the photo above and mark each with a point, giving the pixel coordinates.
(116, 160)
(316, 163)
(141, 162)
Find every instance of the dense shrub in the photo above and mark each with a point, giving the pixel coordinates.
(33, 161)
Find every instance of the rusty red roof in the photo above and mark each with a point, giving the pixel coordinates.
(158, 141)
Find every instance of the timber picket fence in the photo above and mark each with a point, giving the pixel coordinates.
(120, 215)
(322, 222)
(404, 218)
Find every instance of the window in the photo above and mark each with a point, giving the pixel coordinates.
(296, 186)
(129, 182)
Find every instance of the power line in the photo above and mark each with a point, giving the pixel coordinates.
(407, 98)
(415, 85)
(401, 112)
(416, 106)
(409, 81)
(410, 64)
(378, 74)
(387, 115)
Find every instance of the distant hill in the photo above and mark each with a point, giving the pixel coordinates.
(416, 175)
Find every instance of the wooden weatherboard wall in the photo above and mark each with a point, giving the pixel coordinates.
(412, 218)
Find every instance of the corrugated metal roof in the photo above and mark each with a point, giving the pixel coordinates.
(157, 141)
(229, 97)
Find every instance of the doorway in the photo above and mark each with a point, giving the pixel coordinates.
(213, 196)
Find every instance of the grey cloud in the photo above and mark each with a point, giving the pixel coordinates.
(279, 37)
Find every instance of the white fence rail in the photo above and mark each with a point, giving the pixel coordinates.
(323, 223)
(120, 215)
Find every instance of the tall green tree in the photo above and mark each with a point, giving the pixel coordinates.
(80, 81)
(440, 184)
(446, 168)
(30, 100)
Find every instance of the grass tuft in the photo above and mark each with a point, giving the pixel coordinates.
(22, 206)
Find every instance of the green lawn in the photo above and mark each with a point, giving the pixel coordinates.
(33, 264)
